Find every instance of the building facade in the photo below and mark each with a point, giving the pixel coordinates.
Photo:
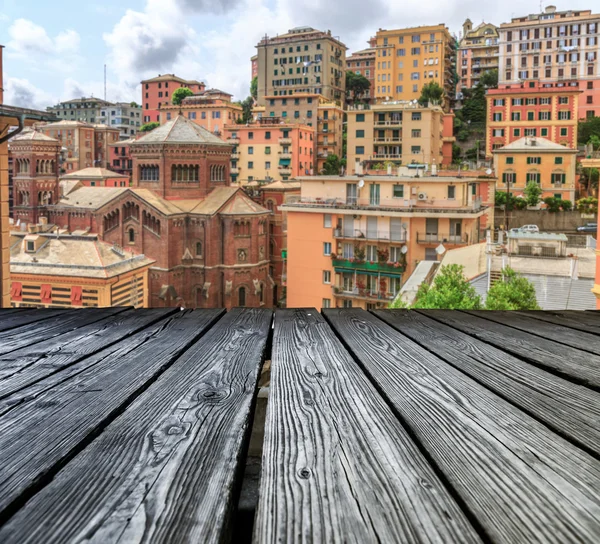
(304, 60)
(353, 241)
(400, 133)
(104, 137)
(254, 66)
(270, 150)
(123, 116)
(532, 110)
(157, 92)
(551, 47)
(120, 157)
(477, 53)
(97, 177)
(538, 160)
(409, 58)
(85, 110)
(363, 63)
(78, 141)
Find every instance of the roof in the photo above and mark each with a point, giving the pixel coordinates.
(83, 99)
(123, 143)
(539, 145)
(67, 186)
(168, 77)
(282, 186)
(242, 204)
(545, 236)
(363, 52)
(69, 255)
(13, 112)
(180, 131)
(94, 173)
(33, 135)
(66, 123)
(398, 179)
(91, 197)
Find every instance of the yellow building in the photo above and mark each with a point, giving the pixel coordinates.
(399, 132)
(353, 241)
(477, 53)
(409, 58)
(552, 166)
(53, 270)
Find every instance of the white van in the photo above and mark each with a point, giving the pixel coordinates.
(534, 229)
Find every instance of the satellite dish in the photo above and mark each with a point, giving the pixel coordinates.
(404, 226)
(404, 250)
(489, 171)
(440, 250)
(361, 183)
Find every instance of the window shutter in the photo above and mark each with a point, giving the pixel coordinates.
(76, 294)
(46, 293)
(16, 291)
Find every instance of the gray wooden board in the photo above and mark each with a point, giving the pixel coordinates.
(570, 362)
(36, 335)
(26, 366)
(5, 312)
(167, 469)
(570, 409)
(521, 481)
(27, 318)
(36, 437)
(337, 464)
(579, 322)
(557, 333)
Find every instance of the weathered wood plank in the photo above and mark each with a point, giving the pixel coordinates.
(26, 366)
(579, 322)
(550, 331)
(522, 481)
(39, 333)
(27, 318)
(570, 409)
(337, 464)
(38, 436)
(571, 363)
(167, 469)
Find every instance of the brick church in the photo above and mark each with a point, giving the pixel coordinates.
(210, 241)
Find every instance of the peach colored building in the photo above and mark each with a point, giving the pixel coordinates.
(532, 110)
(157, 93)
(120, 157)
(104, 137)
(78, 141)
(363, 63)
(270, 150)
(353, 241)
(596, 289)
(97, 177)
(477, 53)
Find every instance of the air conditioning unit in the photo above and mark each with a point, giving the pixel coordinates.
(422, 196)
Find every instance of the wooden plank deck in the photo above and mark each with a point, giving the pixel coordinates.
(125, 425)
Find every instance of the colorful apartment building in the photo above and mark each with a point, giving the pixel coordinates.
(304, 60)
(409, 58)
(211, 109)
(254, 66)
(532, 109)
(157, 93)
(554, 46)
(104, 137)
(120, 157)
(596, 289)
(78, 141)
(353, 241)
(270, 149)
(538, 160)
(74, 270)
(363, 63)
(97, 177)
(477, 53)
(85, 110)
(123, 116)
(400, 133)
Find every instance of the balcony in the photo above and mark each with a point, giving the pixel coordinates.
(386, 156)
(235, 156)
(362, 293)
(389, 123)
(354, 265)
(440, 238)
(387, 140)
(381, 236)
(285, 141)
(234, 171)
(233, 141)
(285, 171)
(283, 155)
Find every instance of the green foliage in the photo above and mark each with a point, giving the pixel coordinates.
(552, 204)
(134, 104)
(474, 106)
(587, 205)
(179, 94)
(398, 304)
(589, 177)
(471, 154)
(463, 135)
(356, 86)
(588, 128)
(254, 87)
(595, 141)
(513, 293)
(532, 193)
(431, 92)
(456, 153)
(247, 105)
(450, 290)
(514, 203)
(566, 205)
(333, 165)
(149, 126)
(489, 79)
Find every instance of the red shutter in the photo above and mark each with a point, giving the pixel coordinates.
(16, 291)
(76, 292)
(46, 293)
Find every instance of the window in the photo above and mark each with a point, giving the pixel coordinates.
(544, 116)
(267, 150)
(415, 149)
(451, 192)
(534, 160)
(327, 220)
(267, 165)
(360, 150)
(131, 236)
(534, 177)
(326, 303)
(517, 132)
(416, 133)
(360, 133)
(242, 296)
(564, 115)
(326, 276)
(398, 191)
(559, 178)
(46, 293)
(251, 165)
(563, 99)
(498, 117)
(360, 117)
(250, 135)
(564, 132)
(326, 248)
(416, 116)
(509, 177)
(516, 116)
(558, 160)
(250, 150)
(531, 116)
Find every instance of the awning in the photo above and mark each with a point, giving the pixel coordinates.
(285, 162)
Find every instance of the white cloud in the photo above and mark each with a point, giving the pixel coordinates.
(22, 93)
(114, 92)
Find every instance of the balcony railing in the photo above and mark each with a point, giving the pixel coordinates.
(233, 141)
(234, 170)
(235, 156)
(383, 236)
(387, 140)
(383, 156)
(412, 205)
(370, 266)
(285, 171)
(439, 238)
(359, 292)
(389, 123)
(283, 155)
(285, 141)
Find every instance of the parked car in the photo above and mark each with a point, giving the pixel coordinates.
(588, 227)
(515, 230)
(530, 228)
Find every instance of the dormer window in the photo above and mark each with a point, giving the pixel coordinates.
(30, 246)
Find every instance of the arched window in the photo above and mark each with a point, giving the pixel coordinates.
(131, 236)
(270, 205)
(198, 249)
(242, 296)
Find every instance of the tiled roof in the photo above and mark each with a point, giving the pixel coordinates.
(282, 185)
(91, 197)
(534, 145)
(96, 173)
(180, 131)
(33, 135)
(241, 204)
(168, 77)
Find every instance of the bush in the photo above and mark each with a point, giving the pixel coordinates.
(463, 135)
(513, 292)
(566, 205)
(552, 204)
(532, 193)
(587, 205)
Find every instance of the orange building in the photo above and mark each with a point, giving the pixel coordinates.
(596, 289)
(78, 140)
(532, 109)
(363, 63)
(352, 241)
(97, 177)
(157, 93)
(551, 165)
(271, 149)
(104, 137)
(477, 53)
(53, 270)
(120, 157)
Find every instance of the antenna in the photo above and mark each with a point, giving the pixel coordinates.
(105, 82)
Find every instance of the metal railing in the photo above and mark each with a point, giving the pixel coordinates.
(442, 206)
(381, 236)
(358, 292)
(441, 238)
(284, 141)
(388, 123)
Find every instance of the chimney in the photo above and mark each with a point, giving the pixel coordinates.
(43, 220)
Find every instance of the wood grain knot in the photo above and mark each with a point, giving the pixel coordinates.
(304, 473)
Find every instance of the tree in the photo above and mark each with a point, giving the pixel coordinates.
(254, 87)
(552, 204)
(333, 165)
(180, 94)
(456, 153)
(566, 205)
(431, 92)
(588, 128)
(532, 193)
(587, 205)
(450, 290)
(513, 292)
(489, 79)
(149, 126)
(247, 105)
(134, 104)
(356, 85)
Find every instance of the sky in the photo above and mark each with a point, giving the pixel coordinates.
(56, 51)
